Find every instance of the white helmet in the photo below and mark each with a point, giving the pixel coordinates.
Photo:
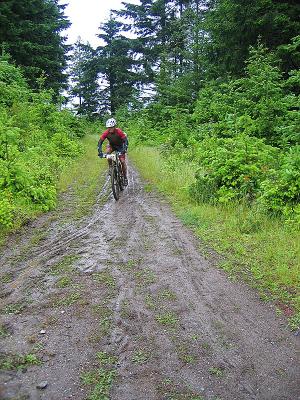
(110, 123)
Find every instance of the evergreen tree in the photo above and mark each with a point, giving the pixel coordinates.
(84, 78)
(172, 37)
(234, 25)
(30, 33)
(117, 67)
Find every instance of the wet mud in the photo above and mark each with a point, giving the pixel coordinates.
(122, 305)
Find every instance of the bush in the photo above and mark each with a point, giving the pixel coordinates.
(257, 105)
(36, 140)
(6, 209)
(280, 193)
(232, 168)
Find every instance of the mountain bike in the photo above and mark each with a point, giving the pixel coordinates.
(116, 176)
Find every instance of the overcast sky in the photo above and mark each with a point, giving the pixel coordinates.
(86, 16)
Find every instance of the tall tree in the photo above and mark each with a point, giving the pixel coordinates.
(234, 25)
(84, 78)
(170, 32)
(30, 30)
(117, 66)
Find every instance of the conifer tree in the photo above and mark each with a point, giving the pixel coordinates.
(84, 78)
(30, 31)
(116, 66)
(234, 25)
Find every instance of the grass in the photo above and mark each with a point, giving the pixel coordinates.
(82, 176)
(145, 277)
(263, 251)
(140, 357)
(68, 300)
(63, 282)
(84, 182)
(18, 362)
(171, 390)
(167, 319)
(216, 371)
(100, 379)
(105, 278)
(64, 266)
(4, 331)
(13, 308)
(105, 314)
(7, 277)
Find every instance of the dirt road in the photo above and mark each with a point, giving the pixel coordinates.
(122, 305)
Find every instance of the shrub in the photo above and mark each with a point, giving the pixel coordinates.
(36, 140)
(280, 193)
(232, 168)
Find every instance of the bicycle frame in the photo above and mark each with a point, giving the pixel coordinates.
(117, 178)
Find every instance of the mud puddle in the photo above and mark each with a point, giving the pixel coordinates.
(123, 306)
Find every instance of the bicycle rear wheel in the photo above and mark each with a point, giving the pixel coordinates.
(121, 181)
(115, 184)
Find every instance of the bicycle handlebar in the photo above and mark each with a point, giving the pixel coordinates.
(110, 155)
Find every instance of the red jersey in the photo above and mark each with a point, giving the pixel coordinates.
(115, 139)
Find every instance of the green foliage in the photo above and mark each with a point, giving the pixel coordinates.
(243, 134)
(257, 105)
(36, 141)
(116, 66)
(232, 168)
(30, 32)
(84, 79)
(234, 25)
(281, 192)
(18, 362)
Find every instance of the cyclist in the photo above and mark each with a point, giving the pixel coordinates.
(117, 141)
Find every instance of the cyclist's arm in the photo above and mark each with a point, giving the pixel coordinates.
(101, 140)
(100, 147)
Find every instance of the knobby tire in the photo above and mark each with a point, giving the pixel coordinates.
(115, 184)
(121, 178)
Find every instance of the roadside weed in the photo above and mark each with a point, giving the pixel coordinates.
(105, 358)
(167, 319)
(68, 300)
(6, 277)
(14, 308)
(140, 357)
(167, 294)
(219, 372)
(18, 362)
(243, 236)
(64, 266)
(4, 331)
(84, 181)
(105, 278)
(145, 277)
(101, 378)
(64, 281)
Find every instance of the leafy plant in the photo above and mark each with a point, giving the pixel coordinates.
(232, 168)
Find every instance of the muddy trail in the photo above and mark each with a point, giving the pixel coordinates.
(122, 305)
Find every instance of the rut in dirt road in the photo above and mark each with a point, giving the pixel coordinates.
(122, 305)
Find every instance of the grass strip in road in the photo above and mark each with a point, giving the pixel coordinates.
(264, 251)
(100, 379)
(83, 178)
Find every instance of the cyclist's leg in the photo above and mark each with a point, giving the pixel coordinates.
(124, 168)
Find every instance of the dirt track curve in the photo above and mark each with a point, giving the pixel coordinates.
(126, 292)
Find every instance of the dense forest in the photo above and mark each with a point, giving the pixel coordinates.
(214, 83)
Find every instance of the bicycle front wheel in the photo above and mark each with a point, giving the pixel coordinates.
(115, 184)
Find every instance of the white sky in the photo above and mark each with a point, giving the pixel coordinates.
(86, 16)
